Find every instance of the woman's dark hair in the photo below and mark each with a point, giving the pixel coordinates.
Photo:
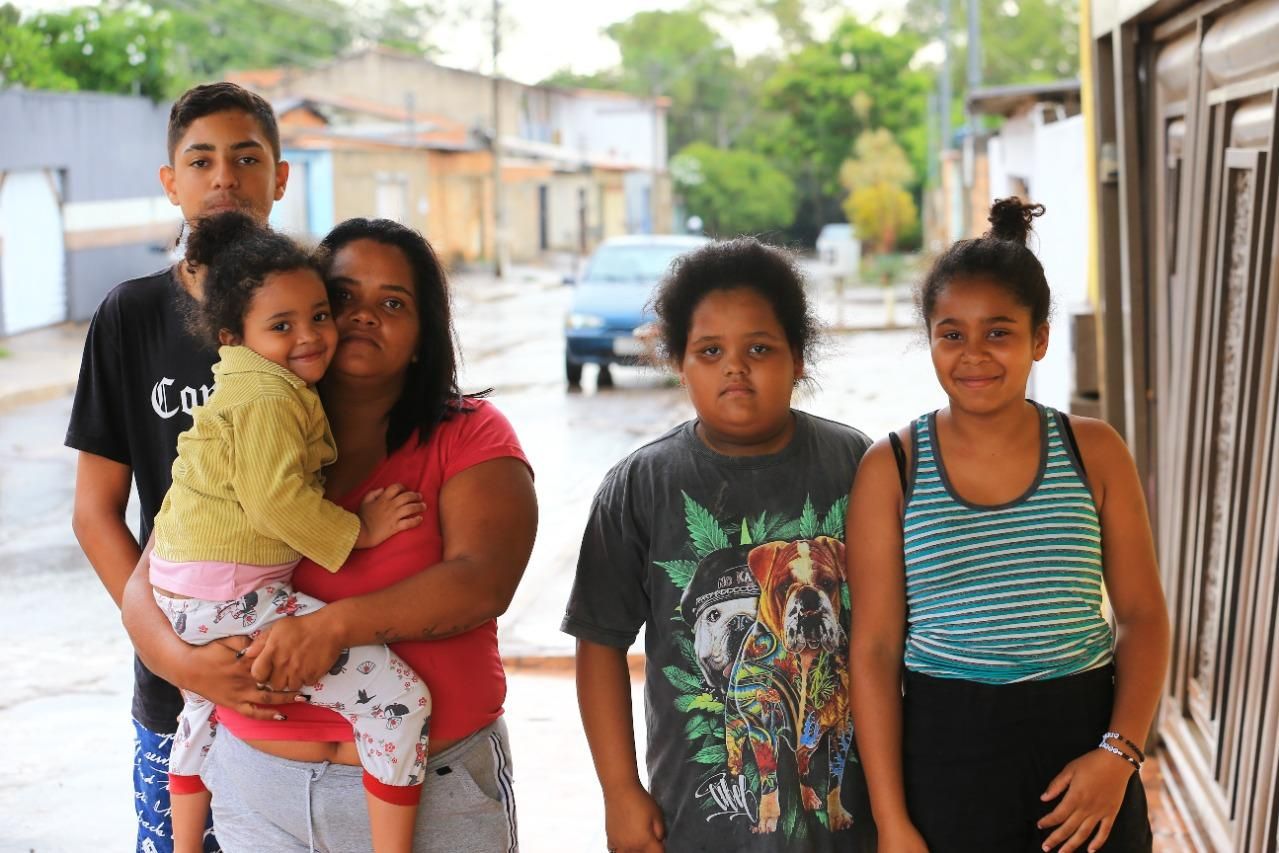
(743, 262)
(1000, 255)
(431, 393)
(238, 254)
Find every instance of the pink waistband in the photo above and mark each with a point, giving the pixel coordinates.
(215, 581)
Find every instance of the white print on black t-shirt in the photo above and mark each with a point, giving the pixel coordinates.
(734, 799)
(188, 398)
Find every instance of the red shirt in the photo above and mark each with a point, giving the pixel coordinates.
(463, 672)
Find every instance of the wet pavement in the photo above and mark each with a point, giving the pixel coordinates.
(64, 725)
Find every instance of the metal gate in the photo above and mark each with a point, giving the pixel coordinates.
(1201, 90)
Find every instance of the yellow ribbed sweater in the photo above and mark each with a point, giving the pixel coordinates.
(247, 486)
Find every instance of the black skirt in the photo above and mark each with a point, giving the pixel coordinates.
(977, 757)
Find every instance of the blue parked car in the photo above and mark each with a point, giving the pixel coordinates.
(610, 300)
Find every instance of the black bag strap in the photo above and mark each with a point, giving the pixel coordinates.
(1070, 437)
(900, 453)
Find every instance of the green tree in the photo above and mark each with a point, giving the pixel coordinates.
(879, 203)
(824, 96)
(1022, 41)
(569, 79)
(734, 192)
(24, 59)
(216, 36)
(680, 56)
(124, 48)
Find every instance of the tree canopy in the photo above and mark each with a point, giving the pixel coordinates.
(678, 55)
(160, 47)
(827, 94)
(1022, 41)
(878, 178)
(734, 192)
(124, 49)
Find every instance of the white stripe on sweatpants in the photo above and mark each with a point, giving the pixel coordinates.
(508, 792)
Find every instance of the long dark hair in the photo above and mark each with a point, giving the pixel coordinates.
(431, 394)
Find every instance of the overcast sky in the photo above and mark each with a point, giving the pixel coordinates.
(545, 35)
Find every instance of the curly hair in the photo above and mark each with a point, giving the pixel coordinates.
(238, 255)
(431, 394)
(743, 262)
(1001, 256)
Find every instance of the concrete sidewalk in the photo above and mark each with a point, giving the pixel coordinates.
(41, 364)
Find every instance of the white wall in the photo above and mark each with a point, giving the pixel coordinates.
(616, 128)
(1020, 142)
(1057, 182)
(1049, 160)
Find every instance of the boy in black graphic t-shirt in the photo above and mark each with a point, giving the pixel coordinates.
(142, 374)
(724, 540)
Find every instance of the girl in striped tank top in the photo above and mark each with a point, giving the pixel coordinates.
(995, 708)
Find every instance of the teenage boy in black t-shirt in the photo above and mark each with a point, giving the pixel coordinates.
(141, 375)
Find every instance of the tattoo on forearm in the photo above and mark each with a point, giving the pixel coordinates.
(388, 636)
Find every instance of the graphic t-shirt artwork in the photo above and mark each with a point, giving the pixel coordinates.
(736, 566)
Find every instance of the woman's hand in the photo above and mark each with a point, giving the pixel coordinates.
(1094, 786)
(293, 652)
(218, 673)
(633, 821)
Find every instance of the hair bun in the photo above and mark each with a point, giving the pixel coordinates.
(214, 234)
(1010, 219)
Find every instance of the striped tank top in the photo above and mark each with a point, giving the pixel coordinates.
(999, 594)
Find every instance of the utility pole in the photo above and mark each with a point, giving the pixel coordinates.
(655, 92)
(499, 203)
(974, 83)
(974, 48)
(934, 149)
(946, 95)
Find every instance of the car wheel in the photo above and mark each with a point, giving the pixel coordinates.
(573, 371)
(605, 379)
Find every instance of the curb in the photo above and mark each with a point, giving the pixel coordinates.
(561, 665)
(27, 396)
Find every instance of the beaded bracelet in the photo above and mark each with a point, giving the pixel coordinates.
(1114, 750)
(1141, 756)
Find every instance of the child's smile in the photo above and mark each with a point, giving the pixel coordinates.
(289, 323)
(982, 344)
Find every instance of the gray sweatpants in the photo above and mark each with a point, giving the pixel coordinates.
(265, 804)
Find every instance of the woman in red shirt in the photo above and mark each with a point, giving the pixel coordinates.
(285, 775)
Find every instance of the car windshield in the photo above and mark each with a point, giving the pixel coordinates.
(627, 264)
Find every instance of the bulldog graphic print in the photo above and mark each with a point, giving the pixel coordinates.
(767, 623)
(733, 567)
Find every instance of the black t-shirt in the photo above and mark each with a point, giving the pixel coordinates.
(141, 376)
(735, 567)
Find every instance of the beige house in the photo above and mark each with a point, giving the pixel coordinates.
(383, 133)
